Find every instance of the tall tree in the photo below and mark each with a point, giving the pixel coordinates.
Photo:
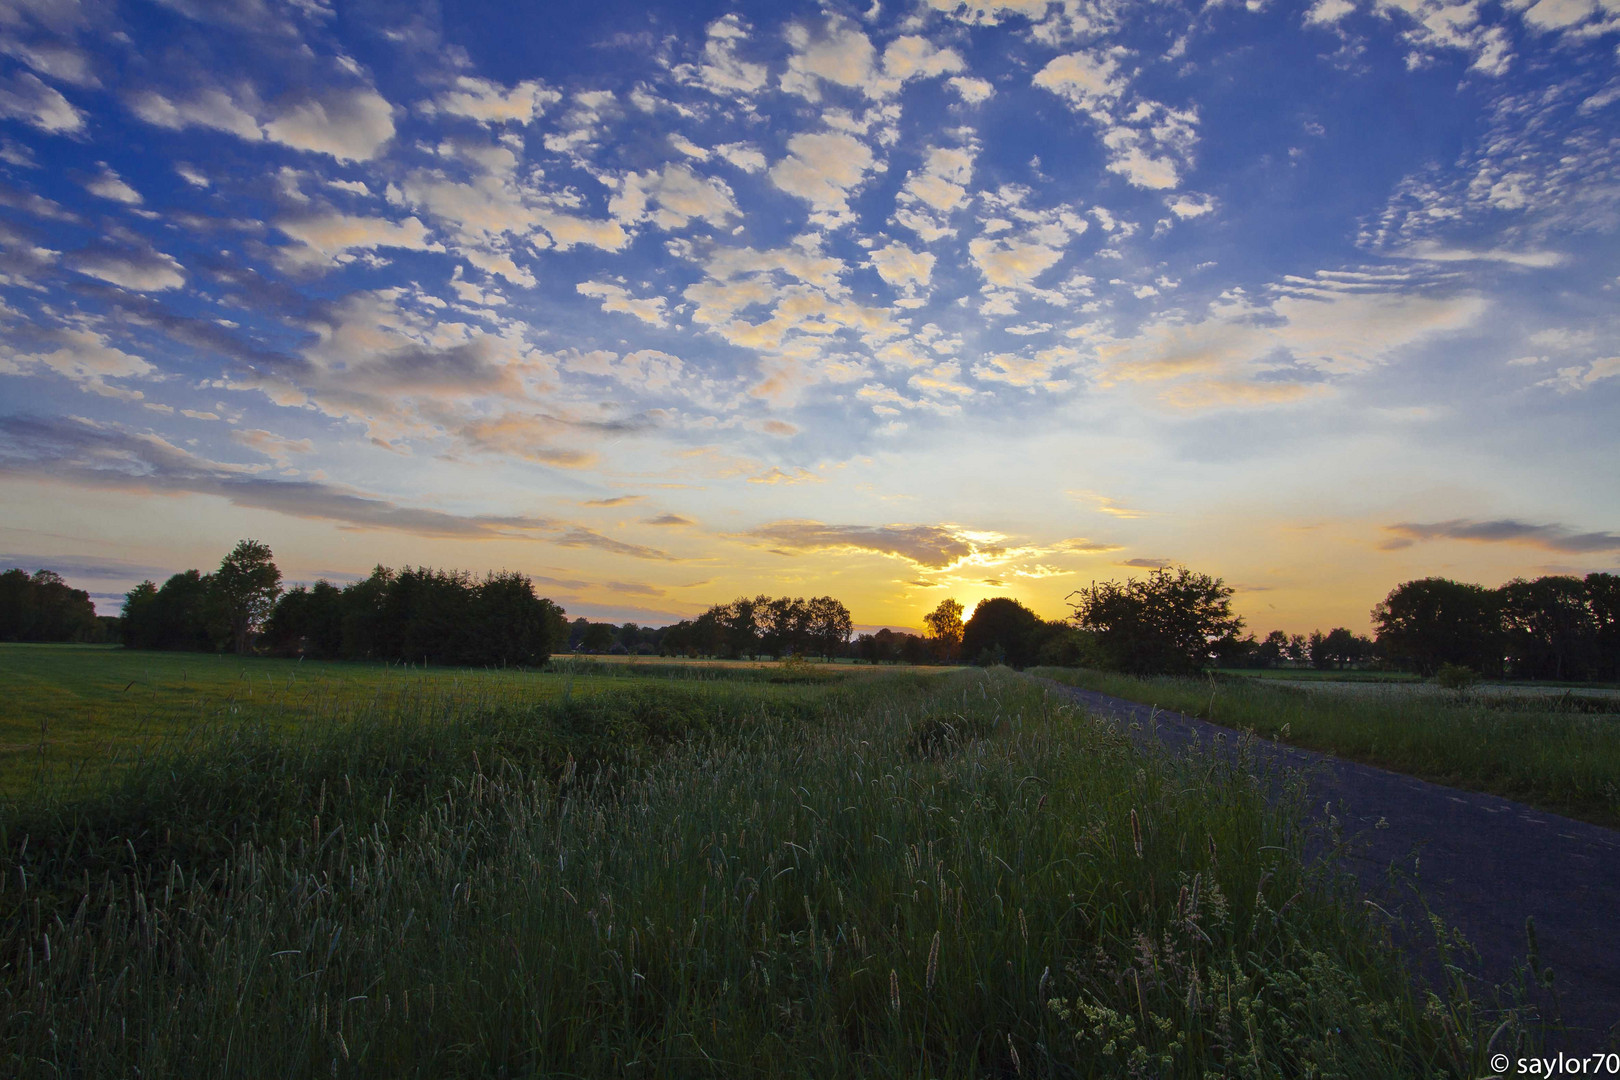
(1002, 631)
(830, 626)
(1433, 621)
(245, 588)
(1170, 622)
(944, 625)
(1549, 628)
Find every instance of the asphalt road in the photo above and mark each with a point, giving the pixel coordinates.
(1483, 864)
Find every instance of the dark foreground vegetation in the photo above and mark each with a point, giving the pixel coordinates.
(1558, 752)
(879, 875)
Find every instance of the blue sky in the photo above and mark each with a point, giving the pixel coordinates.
(666, 304)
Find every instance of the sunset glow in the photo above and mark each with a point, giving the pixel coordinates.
(664, 304)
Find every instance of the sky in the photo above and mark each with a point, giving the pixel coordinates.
(666, 304)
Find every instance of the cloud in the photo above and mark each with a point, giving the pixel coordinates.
(109, 185)
(86, 566)
(1558, 538)
(937, 547)
(1149, 143)
(722, 71)
(279, 448)
(491, 103)
(1577, 378)
(24, 97)
(844, 57)
(349, 125)
(211, 108)
(81, 356)
(580, 537)
(108, 457)
(139, 270)
(616, 298)
(325, 240)
(672, 197)
(823, 169)
(672, 520)
(901, 267)
(645, 370)
(1148, 564)
(1247, 354)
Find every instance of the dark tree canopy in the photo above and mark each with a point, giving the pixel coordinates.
(1002, 631)
(1171, 622)
(244, 591)
(944, 625)
(1433, 621)
(42, 607)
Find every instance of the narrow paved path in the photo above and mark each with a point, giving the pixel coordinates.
(1485, 864)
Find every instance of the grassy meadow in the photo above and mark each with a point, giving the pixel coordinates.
(677, 873)
(1561, 754)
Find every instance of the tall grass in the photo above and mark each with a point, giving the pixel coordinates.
(931, 877)
(1560, 759)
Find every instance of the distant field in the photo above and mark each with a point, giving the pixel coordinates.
(67, 706)
(708, 872)
(1309, 675)
(1555, 748)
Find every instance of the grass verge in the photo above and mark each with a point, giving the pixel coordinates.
(901, 876)
(1559, 759)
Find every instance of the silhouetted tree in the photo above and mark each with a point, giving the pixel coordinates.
(244, 591)
(1002, 630)
(1549, 628)
(1432, 621)
(944, 625)
(1170, 622)
(43, 607)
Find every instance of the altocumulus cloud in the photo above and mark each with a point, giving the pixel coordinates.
(1504, 531)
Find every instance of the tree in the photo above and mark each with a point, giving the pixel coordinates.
(1170, 622)
(1269, 653)
(944, 626)
(244, 590)
(43, 607)
(830, 626)
(1002, 631)
(1432, 621)
(1603, 598)
(1549, 628)
(1338, 648)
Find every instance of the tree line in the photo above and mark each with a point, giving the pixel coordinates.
(1172, 621)
(415, 615)
(42, 607)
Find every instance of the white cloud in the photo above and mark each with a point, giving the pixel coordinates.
(209, 108)
(1577, 378)
(491, 103)
(823, 169)
(934, 192)
(1328, 12)
(109, 185)
(1148, 142)
(844, 57)
(742, 155)
(723, 72)
(972, 90)
(616, 298)
(1190, 205)
(322, 240)
(349, 125)
(989, 12)
(902, 267)
(643, 370)
(672, 197)
(140, 271)
(24, 97)
(83, 357)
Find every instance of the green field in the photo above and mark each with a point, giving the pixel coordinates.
(73, 707)
(670, 873)
(1561, 753)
